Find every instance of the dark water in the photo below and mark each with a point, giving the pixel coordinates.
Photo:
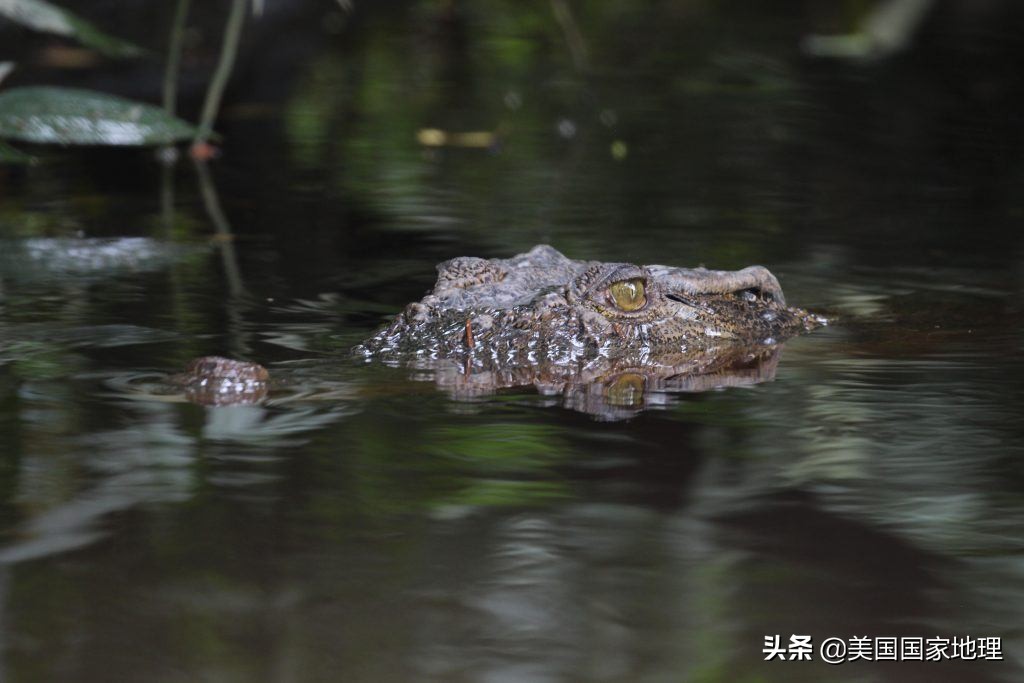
(361, 525)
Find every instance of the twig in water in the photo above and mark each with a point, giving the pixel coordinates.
(228, 52)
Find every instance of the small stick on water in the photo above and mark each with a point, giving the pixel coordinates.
(228, 52)
(469, 333)
(573, 37)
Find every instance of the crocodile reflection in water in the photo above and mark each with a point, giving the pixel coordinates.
(601, 336)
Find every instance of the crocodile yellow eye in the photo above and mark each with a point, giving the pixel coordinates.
(628, 295)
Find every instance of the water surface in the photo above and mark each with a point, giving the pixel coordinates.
(362, 524)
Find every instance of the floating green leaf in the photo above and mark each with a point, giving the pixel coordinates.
(9, 155)
(68, 116)
(42, 16)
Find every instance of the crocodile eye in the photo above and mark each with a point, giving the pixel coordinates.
(628, 295)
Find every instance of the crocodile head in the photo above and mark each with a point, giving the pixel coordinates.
(541, 307)
(608, 339)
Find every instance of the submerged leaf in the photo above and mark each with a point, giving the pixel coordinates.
(70, 116)
(42, 16)
(9, 155)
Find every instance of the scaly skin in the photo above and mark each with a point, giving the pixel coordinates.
(572, 329)
(213, 381)
(543, 310)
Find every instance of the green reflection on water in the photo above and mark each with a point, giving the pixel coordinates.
(388, 532)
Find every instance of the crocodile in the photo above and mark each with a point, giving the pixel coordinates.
(542, 307)
(601, 336)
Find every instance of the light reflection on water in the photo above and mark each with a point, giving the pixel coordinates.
(361, 524)
(856, 492)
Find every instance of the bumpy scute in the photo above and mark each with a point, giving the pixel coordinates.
(543, 309)
(608, 339)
